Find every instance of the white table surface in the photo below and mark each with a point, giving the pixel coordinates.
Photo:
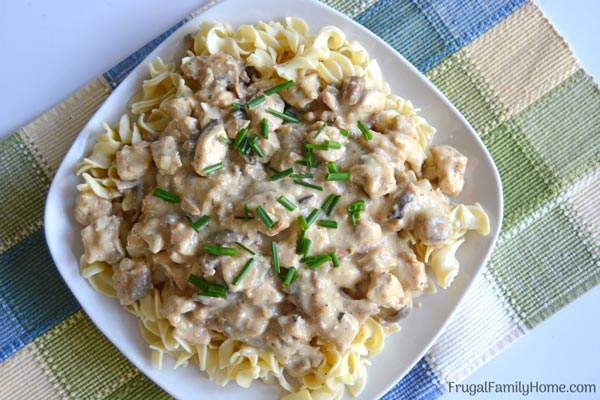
(51, 48)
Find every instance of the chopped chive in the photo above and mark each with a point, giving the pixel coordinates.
(312, 217)
(264, 128)
(305, 246)
(283, 116)
(358, 205)
(308, 185)
(244, 147)
(217, 250)
(334, 259)
(354, 218)
(213, 168)
(320, 129)
(256, 101)
(280, 87)
(243, 272)
(332, 204)
(245, 247)
(262, 214)
(327, 223)
(328, 200)
(200, 222)
(290, 276)
(275, 256)
(366, 132)
(310, 160)
(290, 114)
(241, 135)
(300, 240)
(326, 145)
(314, 262)
(207, 288)
(224, 140)
(166, 196)
(302, 222)
(302, 176)
(344, 132)
(253, 143)
(332, 167)
(302, 162)
(282, 174)
(338, 176)
(332, 144)
(284, 201)
(236, 106)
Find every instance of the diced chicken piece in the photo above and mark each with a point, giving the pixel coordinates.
(90, 207)
(368, 232)
(411, 272)
(133, 161)
(353, 102)
(179, 107)
(446, 165)
(166, 155)
(154, 231)
(153, 206)
(352, 90)
(392, 121)
(432, 227)
(375, 173)
(265, 293)
(132, 280)
(409, 150)
(207, 115)
(329, 134)
(259, 112)
(270, 146)
(281, 217)
(305, 90)
(178, 274)
(209, 150)
(242, 319)
(386, 291)
(181, 313)
(217, 72)
(136, 246)
(184, 239)
(101, 240)
(182, 128)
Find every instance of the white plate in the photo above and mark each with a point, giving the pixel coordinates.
(419, 330)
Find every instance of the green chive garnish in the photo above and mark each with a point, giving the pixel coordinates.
(290, 276)
(302, 176)
(264, 128)
(310, 160)
(245, 248)
(308, 185)
(314, 262)
(328, 200)
(213, 168)
(327, 223)
(354, 210)
(284, 201)
(282, 174)
(241, 135)
(302, 222)
(262, 214)
(300, 240)
(279, 88)
(166, 196)
(331, 205)
(312, 217)
(334, 259)
(200, 222)
(326, 145)
(332, 167)
(366, 132)
(236, 106)
(338, 176)
(305, 246)
(216, 250)
(344, 132)
(320, 129)
(275, 256)
(253, 143)
(256, 101)
(283, 116)
(243, 272)
(207, 288)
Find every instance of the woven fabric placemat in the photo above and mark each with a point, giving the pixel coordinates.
(503, 66)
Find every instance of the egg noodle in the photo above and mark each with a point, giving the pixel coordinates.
(275, 49)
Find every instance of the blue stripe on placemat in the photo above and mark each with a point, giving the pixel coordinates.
(116, 74)
(425, 32)
(34, 296)
(420, 383)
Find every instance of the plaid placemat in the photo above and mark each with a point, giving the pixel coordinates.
(505, 68)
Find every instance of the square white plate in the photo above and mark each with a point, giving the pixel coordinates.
(423, 325)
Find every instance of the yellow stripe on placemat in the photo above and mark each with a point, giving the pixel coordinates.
(522, 58)
(50, 136)
(23, 376)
